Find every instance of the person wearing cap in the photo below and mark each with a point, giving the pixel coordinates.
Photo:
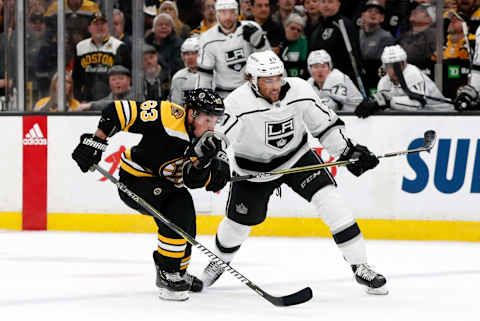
(186, 78)
(470, 9)
(94, 57)
(327, 36)
(209, 17)
(225, 48)
(119, 80)
(294, 55)
(275, 33)
(182, 30)
(456, 58)
(156, 81)
(373, 39)
(166, 42)
(420, 41)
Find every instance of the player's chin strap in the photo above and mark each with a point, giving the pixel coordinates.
(295, 298)
(428, 143)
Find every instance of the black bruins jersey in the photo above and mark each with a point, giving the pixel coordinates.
(161, 150)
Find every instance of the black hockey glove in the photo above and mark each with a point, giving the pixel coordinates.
(89, 151)
(466, 99)
(205, 148)
(370, 105)
(366, 160)
(219, 171)
(254, 35)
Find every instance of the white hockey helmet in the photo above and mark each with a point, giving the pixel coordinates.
(263, 64)
(319, 57)
(190, 44)
(226, 4)
(392, 54)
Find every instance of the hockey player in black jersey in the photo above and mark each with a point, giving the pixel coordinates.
(178, 149)
(266, 121)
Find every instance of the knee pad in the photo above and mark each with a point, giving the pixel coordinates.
(332, 209)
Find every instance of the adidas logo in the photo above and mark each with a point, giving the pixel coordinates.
(35, 136)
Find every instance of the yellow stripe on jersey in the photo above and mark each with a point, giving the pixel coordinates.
(173, 120)
(133, 114)
(121, 116)
(186, 259)
(168, 240)
(129, 169)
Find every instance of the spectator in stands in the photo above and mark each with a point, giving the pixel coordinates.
(312, 10)
(119, 28)
(78, 14)
(245, 10)
(284, 9)
(94, 56)
(372, 41)
(156, 82)
(274, 30)
(166, 42)
(327, 36)
(149, 14)
(35, 38)
(335, 88)
(186, 78)
(470, 9)
(119, 80)
(456, 58)
(50, 103)
(182, 30)
(294, 55)
(209, 17)
(420, 41)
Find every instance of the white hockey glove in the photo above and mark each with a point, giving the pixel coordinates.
(254, 35)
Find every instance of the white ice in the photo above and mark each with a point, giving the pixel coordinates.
(87, 276)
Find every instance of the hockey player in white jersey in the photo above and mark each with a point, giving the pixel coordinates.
(186, 78)
(267, 120)
(391, 87)
(335, 88)
(224, 49)
(468, 96)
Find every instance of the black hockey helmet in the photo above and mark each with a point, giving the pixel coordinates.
(204, 100)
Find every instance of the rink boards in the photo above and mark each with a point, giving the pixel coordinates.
(428, 196)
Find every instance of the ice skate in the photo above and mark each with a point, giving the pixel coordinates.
(374, 282)
(211, 273)
(172, 286)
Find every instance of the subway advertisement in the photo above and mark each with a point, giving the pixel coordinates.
(427, 195)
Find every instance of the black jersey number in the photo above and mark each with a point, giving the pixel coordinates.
(148, 112)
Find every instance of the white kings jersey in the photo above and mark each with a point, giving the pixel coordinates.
(339, 91)
(417, 82)
(183, 80)
(268, 137)
(226, 55)
(475, 77)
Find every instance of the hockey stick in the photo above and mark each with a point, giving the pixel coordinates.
(343, 30)
(296, 298)
(397, 68)
(467, 43)
(429, 138)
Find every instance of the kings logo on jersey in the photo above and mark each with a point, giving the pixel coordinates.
(279, 134)
(236, 59)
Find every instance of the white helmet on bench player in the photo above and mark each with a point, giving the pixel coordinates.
(263, 64)
(190, 45)
(319, 57)
(393, 54)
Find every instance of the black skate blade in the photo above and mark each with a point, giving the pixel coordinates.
(299, 297)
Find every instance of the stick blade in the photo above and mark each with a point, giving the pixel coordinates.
(296, 298)
(429, 139)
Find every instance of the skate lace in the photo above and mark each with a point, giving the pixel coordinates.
(213, 268)
(366, 272)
